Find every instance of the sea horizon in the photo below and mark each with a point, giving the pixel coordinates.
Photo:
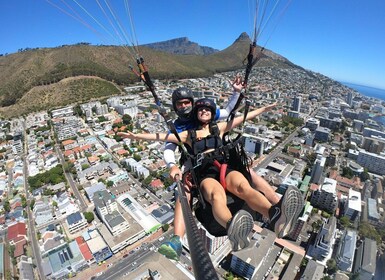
(368, 91)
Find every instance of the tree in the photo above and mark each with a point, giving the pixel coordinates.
(11, 250)
(137, 157)
(364, 175)
(165, 227)
(345, 221)
(367, 230)
(126, 119)
(23, 201)
(89, 216)
(147, 181)
(85, 166)
(110, 183)
(331, 266)
(32, 204)
(6, 205)
(316, 225)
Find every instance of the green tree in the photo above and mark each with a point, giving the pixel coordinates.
(316, 225)
(137, 157)
(147, 180)
(331, 266)
(365, 175)
(32, 204)
(23, 201)
(85, 166)
(6, 205)
(126, 119)
(11, 250)
(345, 222)
(89, 216)
(165, 227)
(367, 230)
(110, 183)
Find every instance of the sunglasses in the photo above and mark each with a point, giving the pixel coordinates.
(207, 109)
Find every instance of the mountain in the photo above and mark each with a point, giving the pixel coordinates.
(181, 46)
(44, 78)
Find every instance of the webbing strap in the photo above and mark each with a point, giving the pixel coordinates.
(222, 173)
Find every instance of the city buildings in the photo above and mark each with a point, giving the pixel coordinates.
(326, 197)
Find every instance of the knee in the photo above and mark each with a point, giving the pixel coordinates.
(243, 187)
(217, 197)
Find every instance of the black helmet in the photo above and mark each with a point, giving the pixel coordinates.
(205, 102)
(179, 94)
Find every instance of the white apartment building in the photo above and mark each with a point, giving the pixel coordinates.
(373, 162)
(76, 222)
(326, 197)
(353, 205)
(107, 208)
(104, 203)
(62, 112)
(115, 223)
(324, 241)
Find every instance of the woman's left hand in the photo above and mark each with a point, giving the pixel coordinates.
(270, 106)
(127, 134)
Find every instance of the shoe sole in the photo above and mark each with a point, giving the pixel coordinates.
(239, 230)
(291, 208)
(168, 252)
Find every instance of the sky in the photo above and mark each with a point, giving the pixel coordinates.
(341, 39)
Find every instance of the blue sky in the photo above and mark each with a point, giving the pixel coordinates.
(342, 39)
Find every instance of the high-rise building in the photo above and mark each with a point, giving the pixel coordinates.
(211, 242)
(326, 197)
(349, 98)
(353, 205)
(345, 251)
(323, 244)
(297, 103)
(318, 169)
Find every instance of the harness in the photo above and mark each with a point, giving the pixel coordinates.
(221, 157)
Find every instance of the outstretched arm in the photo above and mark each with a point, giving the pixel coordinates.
(237, 87)
(162, 137)
(224, 127)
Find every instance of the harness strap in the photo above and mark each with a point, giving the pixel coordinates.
(222, 173)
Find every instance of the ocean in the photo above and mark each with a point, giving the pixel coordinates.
(370, 92)
(367, 91)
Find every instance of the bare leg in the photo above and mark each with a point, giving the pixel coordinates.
(263, 186)
(238, 185)
(214, 193)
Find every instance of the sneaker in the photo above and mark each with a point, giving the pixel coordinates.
(284, 214)
(172, 248)
(239, 229)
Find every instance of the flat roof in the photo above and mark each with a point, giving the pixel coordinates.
(96, 244)
(354, 200)
(132, 207)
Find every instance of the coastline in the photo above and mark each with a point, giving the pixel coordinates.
(367, 91)
(371, 93)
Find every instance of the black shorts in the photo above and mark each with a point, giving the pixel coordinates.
(211, 171)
